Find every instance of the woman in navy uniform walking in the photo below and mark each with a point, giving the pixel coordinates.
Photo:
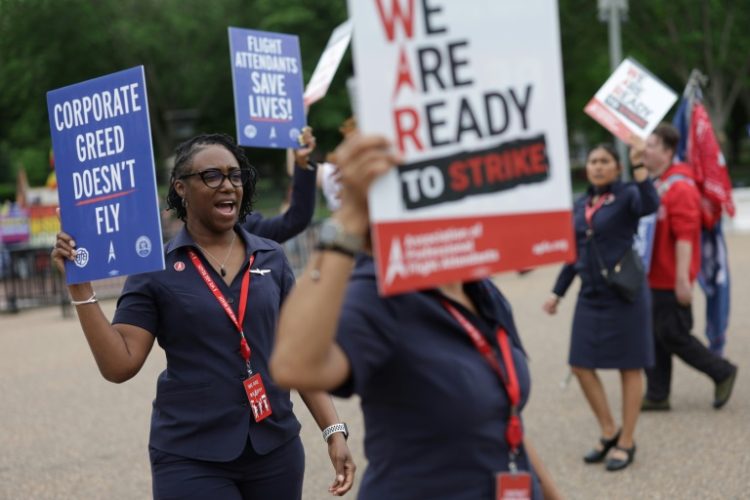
(220, 427)
(608, 331)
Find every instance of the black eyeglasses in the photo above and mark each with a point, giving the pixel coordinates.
(214, 177)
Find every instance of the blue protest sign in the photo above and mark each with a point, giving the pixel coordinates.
(267, 80)
(101, 136)
(643, 242)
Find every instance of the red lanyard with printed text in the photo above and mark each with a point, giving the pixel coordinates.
(590, 209)
(238, 319)
(513, 430)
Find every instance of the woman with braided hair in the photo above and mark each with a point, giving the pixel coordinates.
(220, 427)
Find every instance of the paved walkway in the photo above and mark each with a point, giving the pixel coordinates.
(65, 433)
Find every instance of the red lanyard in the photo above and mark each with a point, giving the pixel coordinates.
(591, 209)
(513, 430)
(244, 291)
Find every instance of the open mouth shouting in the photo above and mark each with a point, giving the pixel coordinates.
(226, 208)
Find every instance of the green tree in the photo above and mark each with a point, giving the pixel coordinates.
(710, 35)
(183, 45)
(670, 38)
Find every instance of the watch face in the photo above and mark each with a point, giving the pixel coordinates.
(332, 235)
(328, 232)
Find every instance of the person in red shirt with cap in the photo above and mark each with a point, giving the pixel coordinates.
(675, 263)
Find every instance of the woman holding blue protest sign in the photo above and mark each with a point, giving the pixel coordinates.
(611, 330)
(441, 373)
(220, 427)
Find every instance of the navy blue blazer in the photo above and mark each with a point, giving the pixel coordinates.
(614, 225)
(201, 409)
(285, 226)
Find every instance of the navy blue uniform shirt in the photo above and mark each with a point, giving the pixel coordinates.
(614, 225)
(435, 411)
(201, 409)
(296, 219)
(609, 332)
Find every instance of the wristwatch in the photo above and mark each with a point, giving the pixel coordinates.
(332, 236)
(333, 429)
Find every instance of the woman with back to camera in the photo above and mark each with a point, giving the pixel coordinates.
(220, 427)
(608, 331)
(441, 373)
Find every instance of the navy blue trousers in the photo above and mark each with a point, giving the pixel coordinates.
(250, 476)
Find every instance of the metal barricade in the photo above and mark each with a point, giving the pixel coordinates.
(299, 248)
(31, 280)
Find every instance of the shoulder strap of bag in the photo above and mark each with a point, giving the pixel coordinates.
(602, 268)
(663, 186)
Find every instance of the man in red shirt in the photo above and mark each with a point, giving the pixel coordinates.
(675, 263)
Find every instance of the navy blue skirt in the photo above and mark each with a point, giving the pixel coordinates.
(611, 333)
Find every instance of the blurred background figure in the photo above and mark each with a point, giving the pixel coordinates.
(675, 263)
(609, 332)
(441, 373)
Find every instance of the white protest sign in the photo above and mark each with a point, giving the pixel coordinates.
(631, 101)
(328, 64)
(471, 94)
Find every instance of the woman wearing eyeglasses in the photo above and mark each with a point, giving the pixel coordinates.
(220, 427)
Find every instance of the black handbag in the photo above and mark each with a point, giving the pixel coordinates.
(626, 277)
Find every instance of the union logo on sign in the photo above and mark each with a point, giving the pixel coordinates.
(143, 246)
(82, 257)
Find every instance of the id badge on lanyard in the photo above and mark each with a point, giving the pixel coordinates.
(514, 484)
(256, 395)
(254, 388)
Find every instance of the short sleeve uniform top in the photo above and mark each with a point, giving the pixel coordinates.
(201, 409)
(435, 412)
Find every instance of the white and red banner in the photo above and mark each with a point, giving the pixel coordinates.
(631, 101)
(328, 63)
(471, 94)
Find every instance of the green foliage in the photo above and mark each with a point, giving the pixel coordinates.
(183, 44)
(710, 35)
(670, 38)
(585, 59)
(7, 192)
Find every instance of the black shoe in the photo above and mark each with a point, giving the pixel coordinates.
(654, 405)
(595, 455)
(614, 464)
(724, 389)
